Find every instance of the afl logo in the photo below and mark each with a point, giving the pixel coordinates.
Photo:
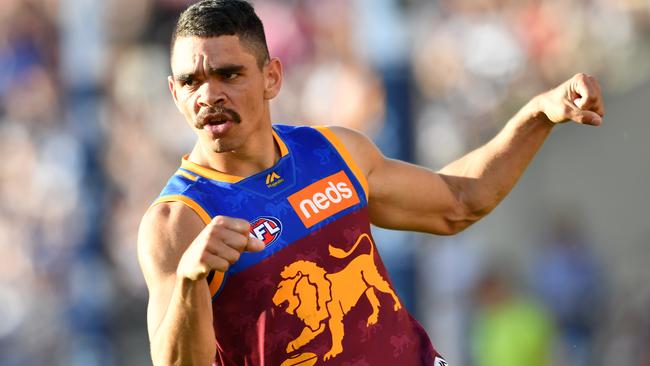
(266, 229)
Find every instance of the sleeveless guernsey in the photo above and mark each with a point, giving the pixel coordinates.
(318, 294)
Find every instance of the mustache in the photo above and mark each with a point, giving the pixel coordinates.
(210, 114)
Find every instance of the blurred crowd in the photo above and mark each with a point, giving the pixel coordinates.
(92, 134)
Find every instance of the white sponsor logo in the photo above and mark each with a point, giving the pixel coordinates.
(321, 201)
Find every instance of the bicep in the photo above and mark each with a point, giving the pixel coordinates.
(404, 196)
(166, 230)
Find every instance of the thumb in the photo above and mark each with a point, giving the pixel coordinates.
(586, 117)
(254, 245)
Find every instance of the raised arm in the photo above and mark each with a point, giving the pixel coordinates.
(177, 251)
(407, 197)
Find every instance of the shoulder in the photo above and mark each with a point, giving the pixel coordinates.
(170, 217)
(166, 230)
(361, 148)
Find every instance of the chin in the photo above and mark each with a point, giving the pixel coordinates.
(221, 146)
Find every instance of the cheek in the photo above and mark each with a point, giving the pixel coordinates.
(255, 99)
(187, 103)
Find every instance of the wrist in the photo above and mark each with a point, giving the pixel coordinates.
(190, 269)
(187, 286)
(183, 281)
(536, 110)
(185, 277)
(191, 276)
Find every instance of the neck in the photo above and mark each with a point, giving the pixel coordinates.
(259, 153)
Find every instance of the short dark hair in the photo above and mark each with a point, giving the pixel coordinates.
(213, 18)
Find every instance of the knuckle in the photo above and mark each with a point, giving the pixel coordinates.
(212, 235)
(208, 262)
(203, 258)
(234, 257)
(243, 225)
(225, 265)
(222, 266)
(241, 242)
(219, 220)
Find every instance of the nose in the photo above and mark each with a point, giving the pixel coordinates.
(211, 94)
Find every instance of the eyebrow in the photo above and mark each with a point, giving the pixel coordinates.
(218, 71)
(225, 69)
(185, 77)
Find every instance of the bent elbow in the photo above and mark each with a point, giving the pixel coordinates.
(453, 227)
(460, 218)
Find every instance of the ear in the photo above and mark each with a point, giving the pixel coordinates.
(172, 89)
(272, 78)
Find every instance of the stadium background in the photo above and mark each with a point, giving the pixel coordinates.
(90, 134)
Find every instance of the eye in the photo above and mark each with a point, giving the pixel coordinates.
(190, 82)
(231, 76)
(187, 81)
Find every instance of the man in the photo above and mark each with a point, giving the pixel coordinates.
(258, 250)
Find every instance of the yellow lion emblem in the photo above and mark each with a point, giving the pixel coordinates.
(316, 296)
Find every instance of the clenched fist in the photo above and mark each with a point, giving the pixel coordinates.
(578, 99)
(216, 247)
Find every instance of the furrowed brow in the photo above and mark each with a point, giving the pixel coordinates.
(225, 70)
(185, 77)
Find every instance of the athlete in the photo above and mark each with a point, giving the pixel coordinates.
(258, 250)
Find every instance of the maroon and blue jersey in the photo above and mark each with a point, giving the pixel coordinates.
(318, 294)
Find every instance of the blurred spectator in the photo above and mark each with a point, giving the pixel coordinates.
(569, 280)
(509, 329)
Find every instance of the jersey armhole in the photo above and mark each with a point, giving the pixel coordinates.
(203, 214)
(215, 279)
(345, 154)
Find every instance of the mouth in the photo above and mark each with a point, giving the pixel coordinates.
(218, 127)
(217, 120)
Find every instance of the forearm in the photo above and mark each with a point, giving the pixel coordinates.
(185, 335)
(482, 178)
(407, 197)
